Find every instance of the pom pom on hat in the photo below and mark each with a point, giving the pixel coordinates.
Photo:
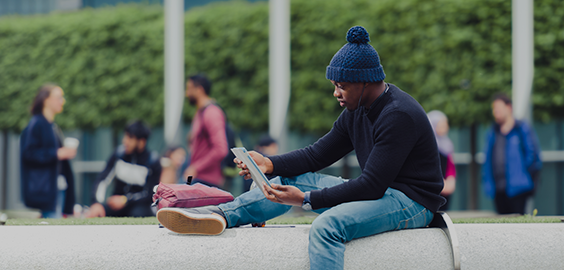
(358, 34)
(356, 61)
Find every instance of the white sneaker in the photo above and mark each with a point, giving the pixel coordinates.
(191, 221)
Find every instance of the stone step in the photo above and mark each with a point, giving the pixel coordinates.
(481, 246)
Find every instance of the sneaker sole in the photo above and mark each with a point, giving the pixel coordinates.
(189, 223)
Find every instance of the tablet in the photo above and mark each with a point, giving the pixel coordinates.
(256, 174)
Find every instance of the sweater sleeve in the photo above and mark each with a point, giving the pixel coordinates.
(394, 140)
(326, 151)
(102, 175)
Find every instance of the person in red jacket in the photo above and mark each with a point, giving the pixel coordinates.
(207, 138)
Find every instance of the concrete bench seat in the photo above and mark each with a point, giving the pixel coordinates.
(481, 246)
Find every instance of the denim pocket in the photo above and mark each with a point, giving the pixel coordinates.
(402, 224)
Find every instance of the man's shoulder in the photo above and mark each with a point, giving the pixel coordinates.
(213, 107)
(401, 99)
(213, 113)
(151, 158)
(403, 103)
(523, 125)
(213, 110)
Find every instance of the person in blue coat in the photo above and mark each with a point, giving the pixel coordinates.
(47, 181)
(512, 163)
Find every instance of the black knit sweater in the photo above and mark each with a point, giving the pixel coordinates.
(395, 147)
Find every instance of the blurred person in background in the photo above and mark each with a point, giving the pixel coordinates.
(129, 177)
(171, 163)
(207, 138)
(47, 178)
(439, 122)
(267, 146)
(512, 165)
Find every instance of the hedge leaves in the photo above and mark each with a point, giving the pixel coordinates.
(451, 55)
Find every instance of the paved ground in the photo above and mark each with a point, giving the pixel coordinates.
(482, 246)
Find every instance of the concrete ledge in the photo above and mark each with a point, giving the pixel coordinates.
(482, 246)
(511, 246)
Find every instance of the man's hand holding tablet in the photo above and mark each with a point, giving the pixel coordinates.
(254, 165)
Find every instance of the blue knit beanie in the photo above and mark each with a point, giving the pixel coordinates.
(357, 61)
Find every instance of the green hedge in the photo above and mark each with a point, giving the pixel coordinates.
(451, 55)
(108, 61)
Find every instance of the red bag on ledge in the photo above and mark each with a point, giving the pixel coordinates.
(188, 196)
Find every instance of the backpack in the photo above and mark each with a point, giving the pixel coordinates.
(188, 196)
(228, 167)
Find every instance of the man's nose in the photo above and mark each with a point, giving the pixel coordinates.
(336, 92)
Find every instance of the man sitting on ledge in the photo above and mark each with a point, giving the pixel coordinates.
(395, 146)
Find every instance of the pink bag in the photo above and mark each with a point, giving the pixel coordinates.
(187, 196)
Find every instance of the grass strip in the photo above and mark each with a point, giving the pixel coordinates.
(518, 219)
(130, 221)
(83, 221)
(282, 220)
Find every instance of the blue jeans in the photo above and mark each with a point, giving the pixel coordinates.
(336, 225)
(58, 212)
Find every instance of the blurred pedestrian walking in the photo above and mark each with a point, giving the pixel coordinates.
(207, 138)
(47, 179)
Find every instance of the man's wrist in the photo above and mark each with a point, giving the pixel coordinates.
(269, 166)
(307, 195)
(306, 204)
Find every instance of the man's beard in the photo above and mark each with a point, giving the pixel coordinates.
(192, 101)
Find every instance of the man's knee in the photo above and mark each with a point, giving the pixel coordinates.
(326, 227)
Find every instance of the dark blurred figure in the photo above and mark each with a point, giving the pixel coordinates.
(439, 122)
(129, 177)
(47, 178)
(267, 146)
(512, 164)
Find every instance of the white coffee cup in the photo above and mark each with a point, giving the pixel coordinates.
(71, 142)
